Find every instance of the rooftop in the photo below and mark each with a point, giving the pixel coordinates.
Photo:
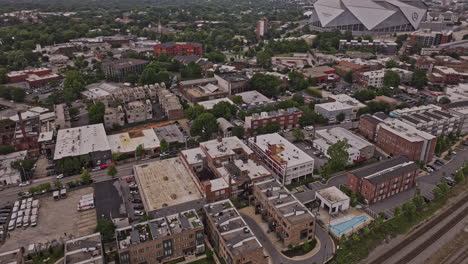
(287, 204)
(405, 130)
(284, 152)
(87, 249)
(129, 141)
(254, 98)
(336, 134)
(234, 230)
(334, 106)
(208, 105)
(159, 228)
(224, 147)
(239, 171)
(77, 141)
(346, 99)
(386, 169)
(165, 183)
(333, 194)
(7, 173)
(124, 63)
(170, 133)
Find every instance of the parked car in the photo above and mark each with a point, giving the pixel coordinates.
(26, 183)
(450, 181)
(60, 176)
(128, 179)
(139, 213)
(134, 192)
(133, 185)
(428, 169)
(136, 201)
(138, 207)
(439, 162)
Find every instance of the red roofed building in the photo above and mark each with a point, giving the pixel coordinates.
(179, 48)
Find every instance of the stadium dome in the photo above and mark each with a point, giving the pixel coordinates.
(368, 16)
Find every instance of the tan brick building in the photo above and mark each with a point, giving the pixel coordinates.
(292, 222)
(230, 235)
(161, 240)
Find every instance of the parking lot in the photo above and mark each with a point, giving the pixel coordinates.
(57, 220)
(129, 195)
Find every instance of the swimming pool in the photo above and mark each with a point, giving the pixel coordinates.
(346, 226)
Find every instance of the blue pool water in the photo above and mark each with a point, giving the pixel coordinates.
(344, 227)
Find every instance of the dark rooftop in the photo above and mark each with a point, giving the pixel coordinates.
(386, 169)
(109, 200)
(371, 119)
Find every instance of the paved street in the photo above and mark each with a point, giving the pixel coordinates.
(325, 252)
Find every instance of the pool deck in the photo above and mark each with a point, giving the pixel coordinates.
(351, 212)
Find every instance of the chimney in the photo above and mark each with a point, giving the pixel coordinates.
(23, 130)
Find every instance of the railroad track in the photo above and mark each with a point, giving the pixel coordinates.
(462, 257)
(425, 228)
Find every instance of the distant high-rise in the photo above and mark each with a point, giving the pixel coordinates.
(262, 28)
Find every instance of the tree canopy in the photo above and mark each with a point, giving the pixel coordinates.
(204, 126)
(268, 85)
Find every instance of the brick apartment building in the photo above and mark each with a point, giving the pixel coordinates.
(286, 118)
(396, 137)
(356, 66)
(428, 38)
(119, 69)
(162, 239)
(179, 48)
(170, 104)
(138, 111)
(445, 76)
(223, 168)
(199, 90)
(289, 219)
(231, 237)
(261, 28)
(383, 179)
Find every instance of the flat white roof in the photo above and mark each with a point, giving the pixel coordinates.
(79, 141)
(224, 147)
(254, 97)
(404, 130)
(208, 105)
(285, 150)
(334, 106)
(129, 141)
(193, 156)
(336, 134)
(333, 194)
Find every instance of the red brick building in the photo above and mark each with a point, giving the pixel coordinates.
(445, 76)
(21, 76)
(383, 179)
(286, 118)
(34, 80)
(323, 74)
(396, 137)
(179, 48)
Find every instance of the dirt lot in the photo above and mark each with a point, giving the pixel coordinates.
(56, 218)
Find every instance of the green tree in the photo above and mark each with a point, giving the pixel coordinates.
(238, 131)
(139, 151)
(96, 113)
(297, 97)
(17, 94)
(267, 85)
(204, 126)
(191, 71)
(73, 112)
(85, 177)
(419, 79)
(264, 59)
(298, 134)
(3, 76)
(224, 109)
(339, 155)
(391, 79)
(148, 76)
(58, 184)
(306, 246)
(237, 99)
(272, 127)
(340, 117)
(194, 111)
(396, 211)
(297, 82)
(409, 209)
(106, 228)
(112, 171)
(364, 95)
(163, 146)
(348, 77)
(459, 176)
(73, 84)
(391, 64)
(444, 100)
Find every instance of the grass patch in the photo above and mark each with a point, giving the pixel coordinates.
(203, 261)
(49, 256)
(300, 250)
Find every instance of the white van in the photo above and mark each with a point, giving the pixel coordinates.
(27, 212)
(15, 209)
(35, 204)
(13, 216)
(28, 205)
(16, 204)
(12, 224)
(34, 211)
(26, 221)
(30, 199)
(19, 221)
(23, 205)
(20, 213)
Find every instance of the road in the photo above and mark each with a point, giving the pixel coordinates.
(325, 252)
